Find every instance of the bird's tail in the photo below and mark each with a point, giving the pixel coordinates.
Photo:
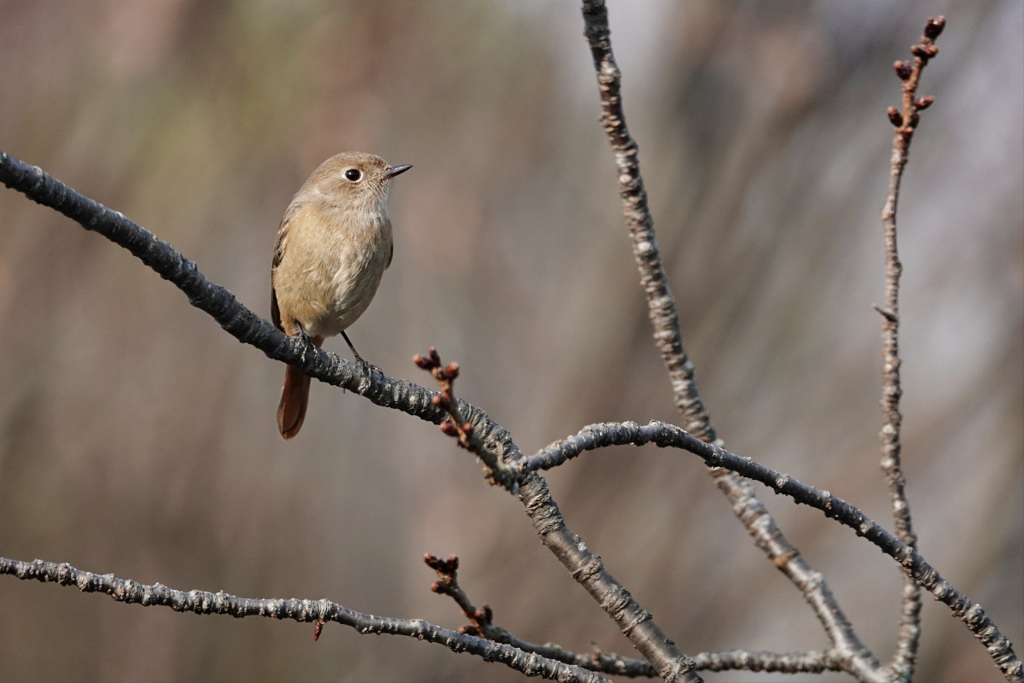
(294, 399)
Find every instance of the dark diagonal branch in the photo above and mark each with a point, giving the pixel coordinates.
(316, 611)
(906, 122)
(665, 435)
(668, 338)
(584, 566)
(588, 570)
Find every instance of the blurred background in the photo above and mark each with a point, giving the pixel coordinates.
(136, 437)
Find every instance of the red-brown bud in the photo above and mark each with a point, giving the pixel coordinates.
(924, 102)
(449, 429)
(895, 117)
(436, 400)
(903, 69)
(934, 27)
(434, 356)
(452, 371)
(467, 427)
(422, 362)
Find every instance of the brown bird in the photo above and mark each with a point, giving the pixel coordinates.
(332, 248)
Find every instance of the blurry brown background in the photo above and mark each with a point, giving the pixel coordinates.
(138, 438)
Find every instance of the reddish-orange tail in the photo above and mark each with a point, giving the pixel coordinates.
(294, 399)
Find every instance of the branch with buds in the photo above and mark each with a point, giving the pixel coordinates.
(446, 375)
(906, 120)
(455, 426)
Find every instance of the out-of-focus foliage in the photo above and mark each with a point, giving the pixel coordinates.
(137, 438)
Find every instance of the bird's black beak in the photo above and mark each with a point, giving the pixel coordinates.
(395, 170)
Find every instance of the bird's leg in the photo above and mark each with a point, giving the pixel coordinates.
(359, 359)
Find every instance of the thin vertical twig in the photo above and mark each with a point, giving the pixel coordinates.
(667, 337)
(905, 121)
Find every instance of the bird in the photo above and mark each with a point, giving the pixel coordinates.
(333, 246)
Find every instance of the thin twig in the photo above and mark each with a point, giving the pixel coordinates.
(668, 338)
(597, 436)
(482, 624)
(585, 567)
(315, 611)
(495, 469)
(902, 664)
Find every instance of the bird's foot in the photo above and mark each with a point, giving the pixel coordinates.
(367, 366)
(307, 342)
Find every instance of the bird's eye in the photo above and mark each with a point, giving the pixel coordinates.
(353, 174)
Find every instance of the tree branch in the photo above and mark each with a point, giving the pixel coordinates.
(771, 662)
(319, 611)
(902, 664)
(482, 623)
(667, 337)
(596, 436)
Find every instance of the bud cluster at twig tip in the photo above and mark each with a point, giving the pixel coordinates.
(447, 568)
(906, 121)
(445, 376)
(934, 27)
(429, 362)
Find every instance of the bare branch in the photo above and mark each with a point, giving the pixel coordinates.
(771, 662)
(317, 611)
(906, 122)
(589, 571)
(668, 338)
(915, 566)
